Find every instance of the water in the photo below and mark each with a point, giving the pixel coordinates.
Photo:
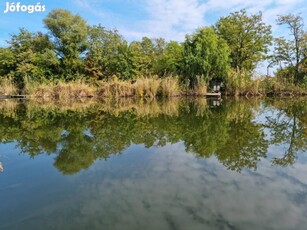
(177, 164)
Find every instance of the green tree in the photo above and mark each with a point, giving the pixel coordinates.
(7, 61)
(69, 34)
(205, 54)
(292, 51)
(168, 63)
(107, 54)
(248, 37)
(142, 57)
(29, 55)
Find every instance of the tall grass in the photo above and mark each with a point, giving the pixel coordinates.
(59, 90)
(147, 87)
(7, 86)
(240, 83)
(170, 86)
(115, 88)
(200, 88)
(274, 86)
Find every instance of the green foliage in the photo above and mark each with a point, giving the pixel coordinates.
(292, 51)
(142, 56)
(205, 54)
(7, 61)
(168, 63)
(69, 34)
(107, 54)
(28, 55)
(248, 37)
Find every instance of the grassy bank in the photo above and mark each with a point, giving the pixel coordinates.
(7, 87)
(237, 85)
(142, 87)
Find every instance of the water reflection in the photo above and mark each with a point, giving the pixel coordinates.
(79, 132)
(288, 127)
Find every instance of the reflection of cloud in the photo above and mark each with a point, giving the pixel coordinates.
(166, 188)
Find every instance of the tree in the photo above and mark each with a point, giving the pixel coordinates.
(106, 54)
(70, 36)
(292, 51)
(142, 56)
(168, 63)
(247, 36)
(205, 55)
(7, 61)
(28, 55)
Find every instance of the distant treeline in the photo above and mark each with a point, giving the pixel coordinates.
(226, 52)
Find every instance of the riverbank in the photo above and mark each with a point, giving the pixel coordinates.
(143, 88)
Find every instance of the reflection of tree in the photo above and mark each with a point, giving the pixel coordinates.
(76, 152)
(244, 147)
(288, 127)
(244, 141)
(78, 138)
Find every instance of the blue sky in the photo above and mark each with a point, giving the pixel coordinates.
(171, 19)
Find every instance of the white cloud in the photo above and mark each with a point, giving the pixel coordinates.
(172, 16)
(173, 19)
(91, 7)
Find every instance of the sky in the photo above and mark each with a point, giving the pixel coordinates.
(134, 19)
(170, 19)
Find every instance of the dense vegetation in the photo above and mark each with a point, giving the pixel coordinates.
(98, 61)
(77, 134)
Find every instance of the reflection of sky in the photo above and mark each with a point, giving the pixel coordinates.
(159, 188)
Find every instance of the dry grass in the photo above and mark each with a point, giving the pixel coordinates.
(201, 87)
(170, 87)
(115, 88)
(147, 87)
(240, 83)
(143, 87)
(75, 89)
(60, 90)
(7, 86)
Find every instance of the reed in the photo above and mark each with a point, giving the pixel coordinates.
(170, 86)
(60, 90)
(7, 86)
(115, 88)
(201, 87)
(147, 87)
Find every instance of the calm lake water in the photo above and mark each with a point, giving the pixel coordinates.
(175, 164)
